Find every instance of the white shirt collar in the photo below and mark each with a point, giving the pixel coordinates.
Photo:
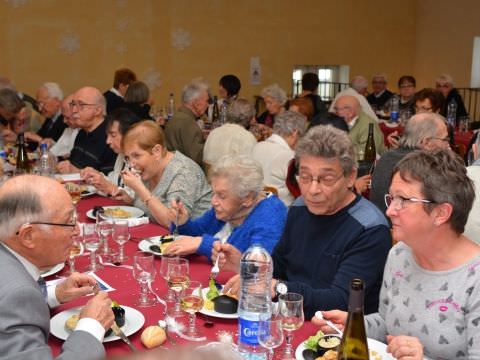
(352, 123)
(116, 92)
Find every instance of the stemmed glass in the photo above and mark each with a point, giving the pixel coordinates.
(104, 228)
(270, 334)
(75, 251)
(191, 302)
(144, 273)
(75, 191)
(177, 280)
(92, 241)
(121, 234)
(290, 310)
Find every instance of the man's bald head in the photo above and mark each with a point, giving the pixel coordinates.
(348, 107)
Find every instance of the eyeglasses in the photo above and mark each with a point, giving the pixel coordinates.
(80, 105)
(422, 109)
(71, 224)
(327, 181)
(446, 86)
(406, 86)
(341, 108)
(398, 202)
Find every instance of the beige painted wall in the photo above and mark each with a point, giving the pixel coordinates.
(370, 36)
(445, 33)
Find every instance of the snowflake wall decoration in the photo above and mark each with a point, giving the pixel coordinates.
(16, 3)
(122, 24)
(181, 39)
(69, 43)
(152, 78)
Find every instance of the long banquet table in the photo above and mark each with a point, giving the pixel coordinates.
(126, 288)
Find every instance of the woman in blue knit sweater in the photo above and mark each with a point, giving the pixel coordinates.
(241, 211)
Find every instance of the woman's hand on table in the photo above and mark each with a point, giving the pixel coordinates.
(121, 195)
(66, 167)
(74, 287)
(229, 256)
(99, 308)
(185, 245)
(183, 214)
(232, 286)
(96, 178)
(337, 317)
(405, 347)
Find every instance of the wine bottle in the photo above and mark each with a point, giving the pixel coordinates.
(370, 153)
(23, 165)
(215, 111)
(354, 340)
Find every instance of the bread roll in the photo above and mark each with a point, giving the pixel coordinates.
(71, 322)
(153, 336)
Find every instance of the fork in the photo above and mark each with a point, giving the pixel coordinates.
(175, 230)
(215, 269)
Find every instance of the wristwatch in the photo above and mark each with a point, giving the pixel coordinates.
(280, 288)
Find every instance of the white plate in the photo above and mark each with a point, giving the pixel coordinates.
(214, 313)
(53, 270)
(145, 244)
(134, 321)
(69, 177)
(373, 345)
(136, 212)
(89, 190)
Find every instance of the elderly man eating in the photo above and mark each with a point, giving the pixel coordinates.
(36, 227)
(331, 235)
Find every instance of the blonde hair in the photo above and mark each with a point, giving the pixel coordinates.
(146, 134)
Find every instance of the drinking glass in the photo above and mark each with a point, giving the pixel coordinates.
(144, 273)
(270, 334)
(290, 310)
(178, 277)
(121, 234)
(104, 229)
(92, 241)
(191, 302)
(75, 191)
(74, 252)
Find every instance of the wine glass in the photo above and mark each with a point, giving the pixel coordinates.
(177, 279)
(75, 251)
(75, 191)
(144, 273)
(92, 241)
(192, 301)
(104, 228)
(121, 234)
(290, 310)
(270, 334)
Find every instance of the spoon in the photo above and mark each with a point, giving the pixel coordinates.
(319, 315)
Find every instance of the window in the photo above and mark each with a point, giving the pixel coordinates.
(333, 78)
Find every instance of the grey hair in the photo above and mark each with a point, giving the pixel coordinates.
(240, 112)
(10, 101)
(53, 90)
(420, 127)
(289, 121)
(18, 208)
(244, 174)
(275, 92)
(381, 76)
(445, 78)
(102, 102)
(359, 83)
(193, 90)
(328, 142)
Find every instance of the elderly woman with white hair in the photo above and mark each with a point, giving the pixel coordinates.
(276, 152)
(241, 212)
(444, 83)
(275, 99)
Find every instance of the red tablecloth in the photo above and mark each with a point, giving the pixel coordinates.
(127, 288)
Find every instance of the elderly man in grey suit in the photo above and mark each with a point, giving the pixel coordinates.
(37, 221)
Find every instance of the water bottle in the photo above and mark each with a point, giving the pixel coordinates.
(255, 303)
(47, 163)
(223, 113)
(452, 113)
(394, 109)
(171, 107)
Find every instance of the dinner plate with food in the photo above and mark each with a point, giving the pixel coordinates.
(156, 244)
(87, 190)
(325, 347)
(128, 319)
(116, 212)
(218, 305)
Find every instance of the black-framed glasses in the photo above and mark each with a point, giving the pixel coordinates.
(398, 202)
(80, 105)
(71, 224)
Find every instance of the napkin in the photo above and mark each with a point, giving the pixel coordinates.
(138, 221)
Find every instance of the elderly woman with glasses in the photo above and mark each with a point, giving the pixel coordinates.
(241, 212)
(444, 83)
(430, 296)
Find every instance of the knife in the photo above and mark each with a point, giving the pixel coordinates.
(117, 331)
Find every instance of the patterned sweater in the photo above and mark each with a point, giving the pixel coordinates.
(440, 308)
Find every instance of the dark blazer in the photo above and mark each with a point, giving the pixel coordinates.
(25, 324)
(52, 131)
(113, 101)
